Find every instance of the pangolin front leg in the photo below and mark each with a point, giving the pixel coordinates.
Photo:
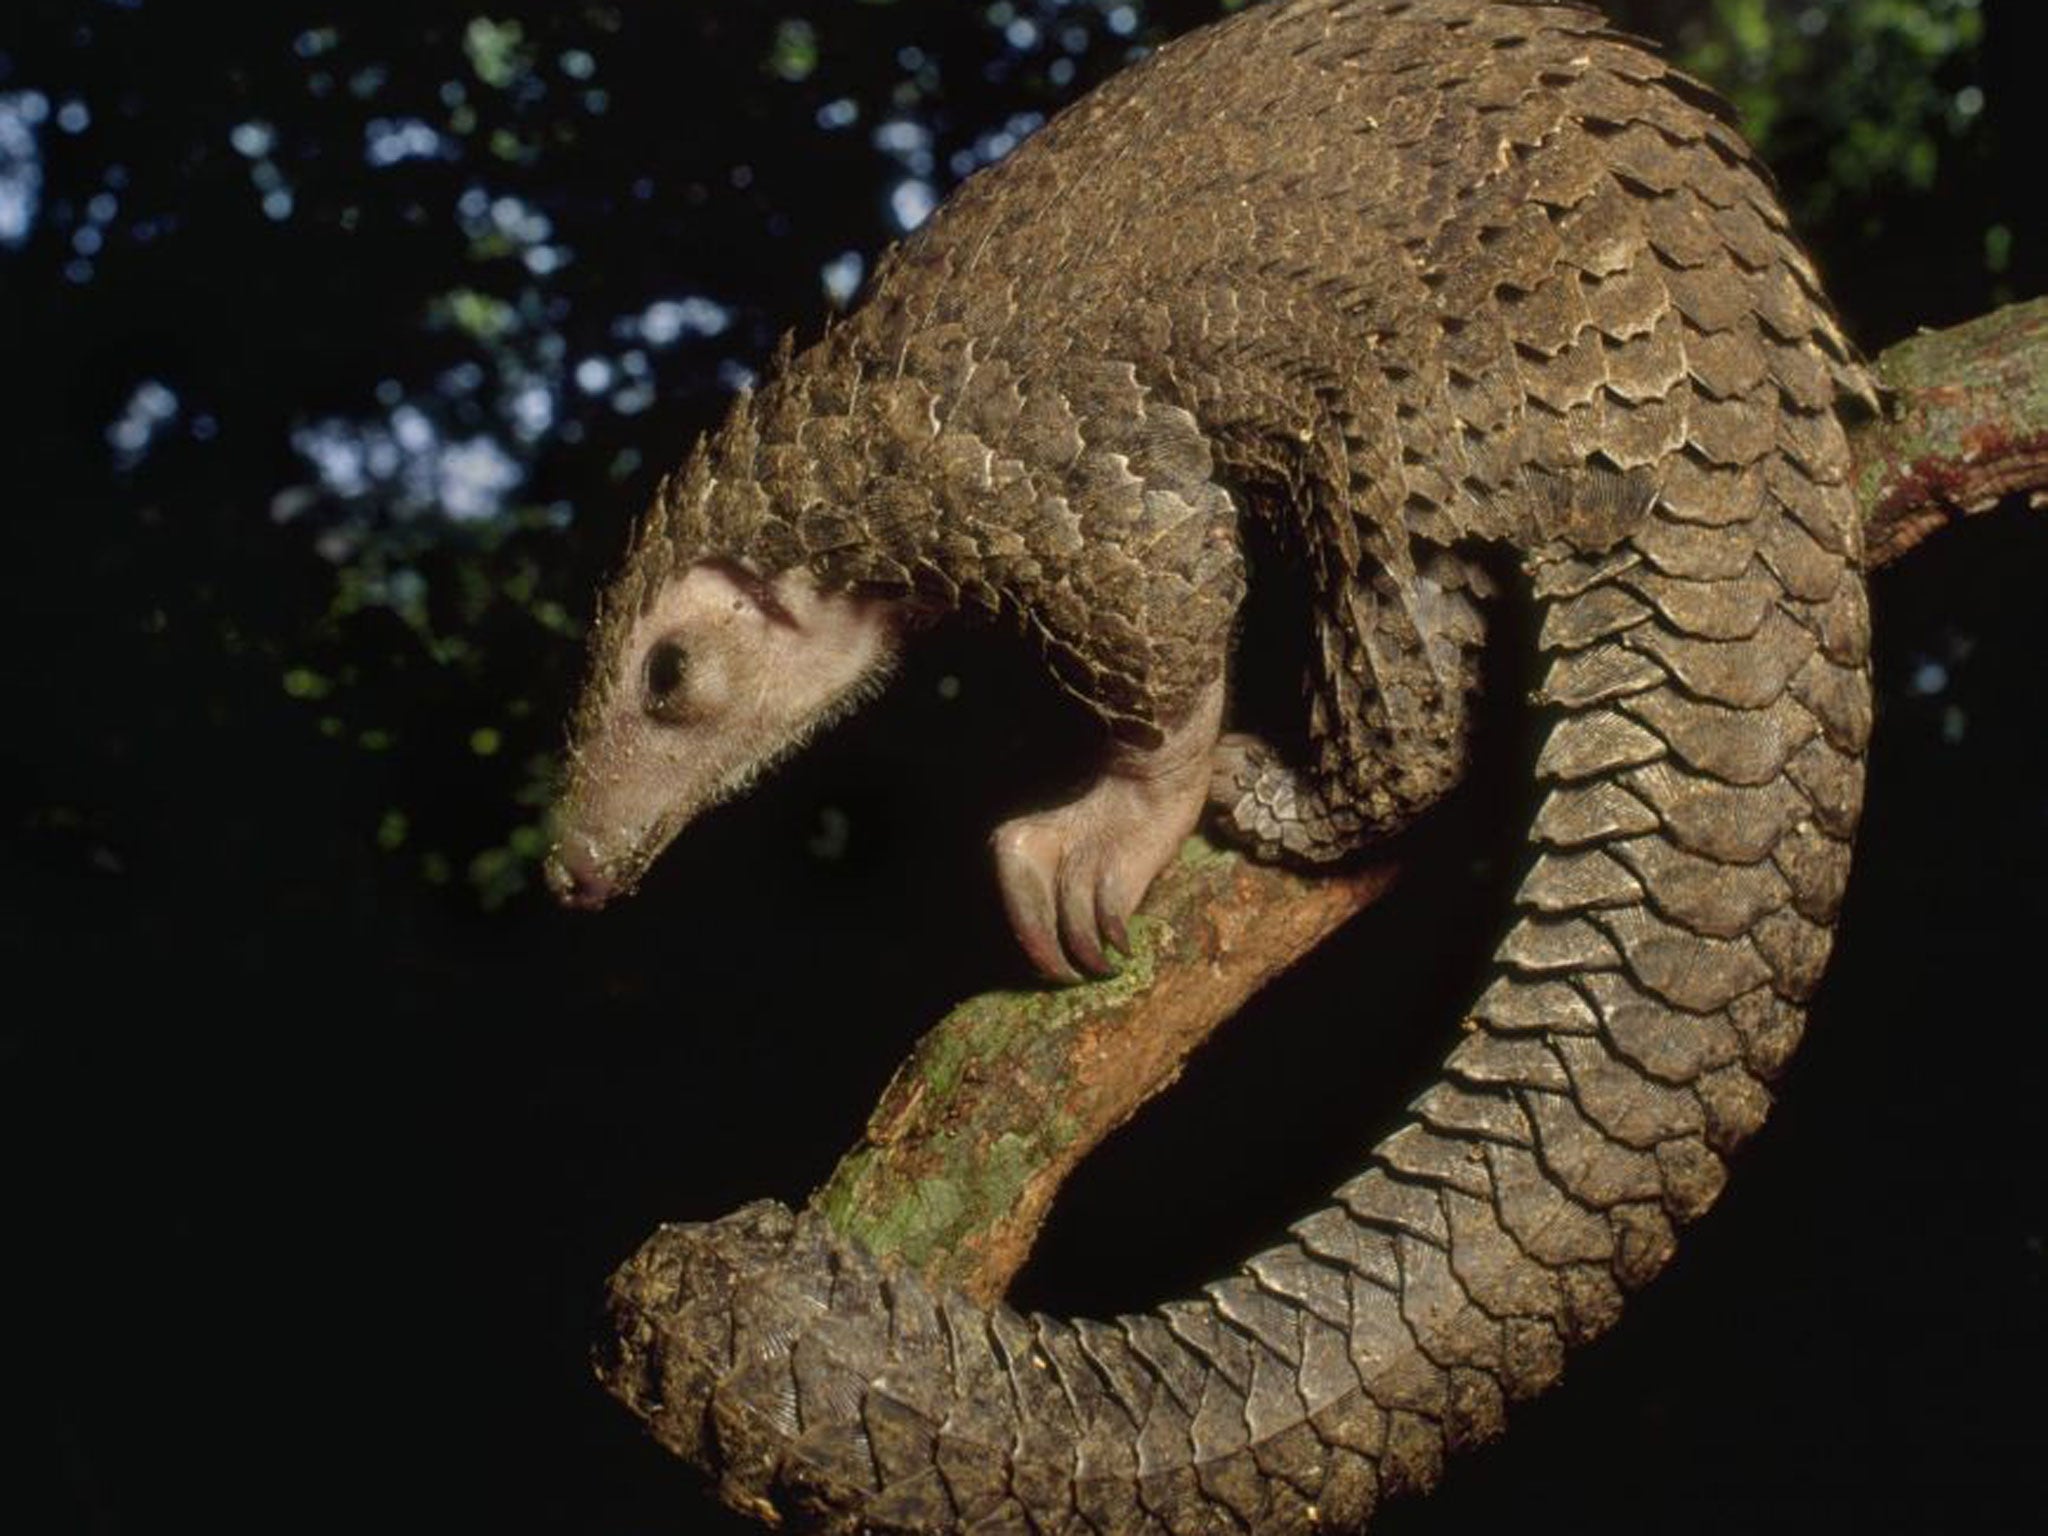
(1071, 876)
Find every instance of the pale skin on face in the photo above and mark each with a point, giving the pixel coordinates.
(727, 672)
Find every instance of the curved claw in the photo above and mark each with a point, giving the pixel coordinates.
(1113, 915)
(1026, 867)
(1080, 924)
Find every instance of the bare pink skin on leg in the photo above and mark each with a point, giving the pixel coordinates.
(1072, 876)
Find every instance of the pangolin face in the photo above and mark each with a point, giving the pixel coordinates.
(724, 673)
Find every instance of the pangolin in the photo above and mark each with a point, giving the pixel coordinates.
(1434, 292)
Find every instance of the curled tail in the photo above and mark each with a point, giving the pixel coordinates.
(1703, 780)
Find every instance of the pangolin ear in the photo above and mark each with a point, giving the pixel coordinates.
(756, 589)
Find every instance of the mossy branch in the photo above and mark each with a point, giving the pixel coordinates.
(1001, 1101)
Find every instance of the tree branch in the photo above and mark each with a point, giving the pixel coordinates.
(1965, 425)
(1002, 1100)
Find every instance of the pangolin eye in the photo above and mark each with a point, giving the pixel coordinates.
(668, 669)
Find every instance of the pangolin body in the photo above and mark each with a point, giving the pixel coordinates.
(1411, 280)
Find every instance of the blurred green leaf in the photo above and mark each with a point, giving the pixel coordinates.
(795, 54)
(496, 50)
(1861, 86)
(305, 683)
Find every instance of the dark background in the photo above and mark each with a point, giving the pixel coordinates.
(343, 344)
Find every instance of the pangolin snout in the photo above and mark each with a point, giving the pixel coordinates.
(576, 876)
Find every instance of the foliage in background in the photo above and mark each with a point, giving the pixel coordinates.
(1878, 92)
(378, 336)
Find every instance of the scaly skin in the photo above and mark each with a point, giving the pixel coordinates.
(1411, 281)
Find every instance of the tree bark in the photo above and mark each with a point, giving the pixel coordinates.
(1965, 426)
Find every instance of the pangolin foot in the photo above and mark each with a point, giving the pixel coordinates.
(1072, 876)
